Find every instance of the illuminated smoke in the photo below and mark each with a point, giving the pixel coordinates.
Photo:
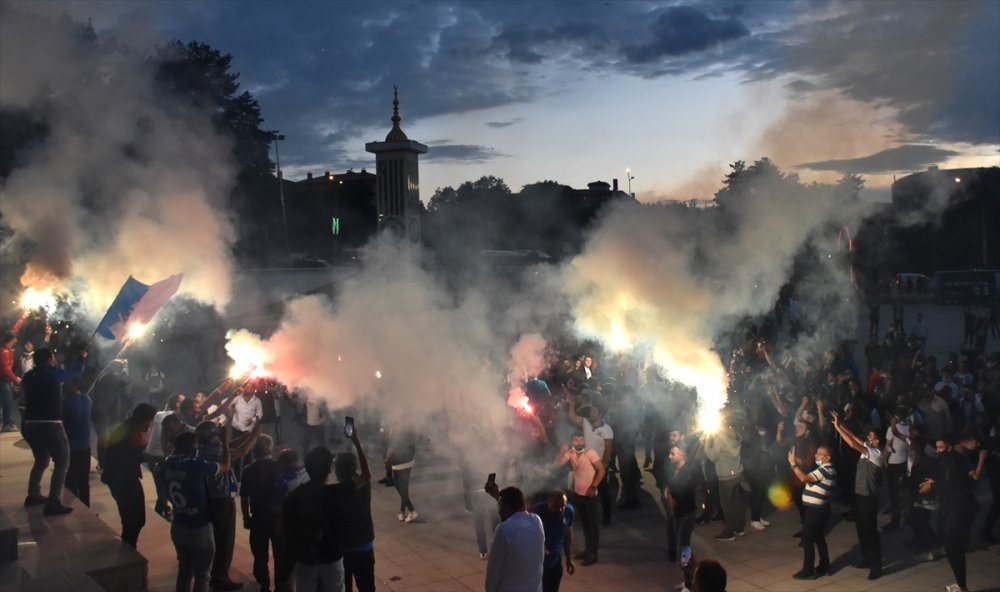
(116, 185)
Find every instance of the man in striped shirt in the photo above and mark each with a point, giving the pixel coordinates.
(816, 497)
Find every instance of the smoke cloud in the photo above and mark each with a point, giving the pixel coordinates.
(117, 184)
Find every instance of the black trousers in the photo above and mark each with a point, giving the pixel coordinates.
(993, 475)
(224, 528)
(955, 531)
(265, 539)
(586, 508)
(866, 522)
(814, 535)
(131, 500)
(551, 576)
(896, 475)
(359, 566)
(78, 475)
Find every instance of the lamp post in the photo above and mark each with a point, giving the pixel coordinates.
(628, 175)
(281, 191)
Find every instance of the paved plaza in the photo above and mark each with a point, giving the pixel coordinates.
(438, 552)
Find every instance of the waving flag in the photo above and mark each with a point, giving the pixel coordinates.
(136, 302)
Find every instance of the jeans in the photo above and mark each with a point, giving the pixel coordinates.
(78, 475)
(552, 575)
(154, 464)
(401, 478)
(359, 566)
(195, 548)
(679, 529)
(7, 402)
(131, 500)
(814, 535)
(224, 531)
(731, 500)
(320, 577)
(485, 518)
(586, 508)
(47, 441)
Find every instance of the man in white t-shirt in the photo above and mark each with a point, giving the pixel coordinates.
(600, 438)
(897, 452)
(246, 411)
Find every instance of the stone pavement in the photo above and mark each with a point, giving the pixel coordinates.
(438, 551)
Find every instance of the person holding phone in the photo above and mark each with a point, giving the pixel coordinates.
(518, 552)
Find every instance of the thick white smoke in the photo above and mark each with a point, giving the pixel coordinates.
(116, 185)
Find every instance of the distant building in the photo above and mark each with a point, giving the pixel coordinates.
(965, 234)
(333, 214)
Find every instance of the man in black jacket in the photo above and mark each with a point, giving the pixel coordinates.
(43, 427)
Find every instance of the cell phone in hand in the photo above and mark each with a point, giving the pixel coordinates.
(491, 481)
(349, 426)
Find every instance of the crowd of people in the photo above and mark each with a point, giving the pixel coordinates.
(918, 431)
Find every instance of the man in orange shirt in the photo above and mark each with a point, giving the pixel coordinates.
(588, 472)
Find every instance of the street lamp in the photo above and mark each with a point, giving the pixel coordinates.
(281, 190)
(628, 175)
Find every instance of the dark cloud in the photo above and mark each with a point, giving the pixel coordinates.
(323, 72)
(936, 63)
(680, 30)
(903, 158)
(461, 152)
(501, 124)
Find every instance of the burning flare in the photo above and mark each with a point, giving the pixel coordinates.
(34, 299)
(136, 330)
(249, 355)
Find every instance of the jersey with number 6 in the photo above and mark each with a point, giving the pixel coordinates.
(184, 477)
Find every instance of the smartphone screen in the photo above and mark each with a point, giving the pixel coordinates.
(491, 480)
(349, 426)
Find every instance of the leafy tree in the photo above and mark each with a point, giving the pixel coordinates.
(197, 76)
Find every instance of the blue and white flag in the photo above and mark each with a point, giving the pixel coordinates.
(136, 302)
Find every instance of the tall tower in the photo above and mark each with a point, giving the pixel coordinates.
(397, 185)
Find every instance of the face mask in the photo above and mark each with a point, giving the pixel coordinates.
(580, 448)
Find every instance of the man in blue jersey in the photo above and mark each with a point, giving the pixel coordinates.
(557, 521)
(191, 530)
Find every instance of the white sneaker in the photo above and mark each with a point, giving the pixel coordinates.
(401, 517)
(758, 525)
(482, 555)
(955, 588)
(764, 522)
(740, 533)
(411, 517)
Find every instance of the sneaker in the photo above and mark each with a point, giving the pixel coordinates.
(764, 522)
(56, 509)
(8, 428)
(805, 575)
(930, 556)
(401, 517)
(757, 525)
(823, 571)
(589, 560)
(725, 536)
(411, 517)
(955, 588)
(741, 533)
(482, 555)
(35, 500)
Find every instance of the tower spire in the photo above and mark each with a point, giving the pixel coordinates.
(396, 133)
